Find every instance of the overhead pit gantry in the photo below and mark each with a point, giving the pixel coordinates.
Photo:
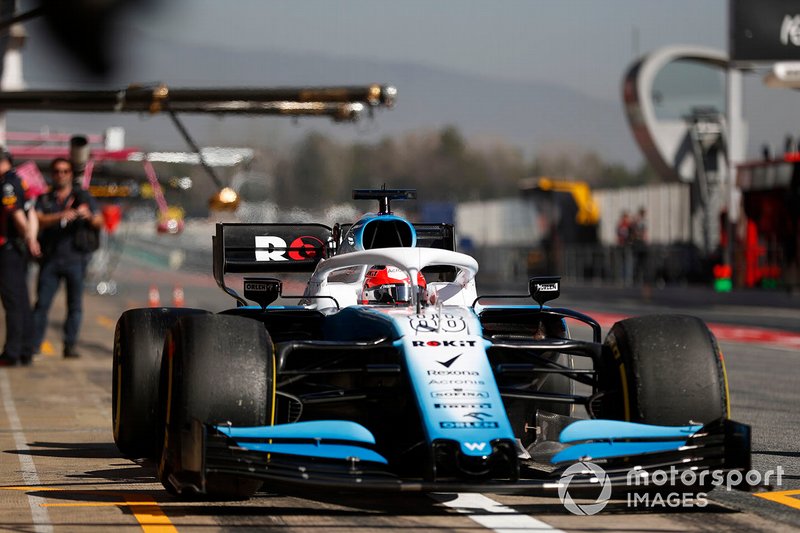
(346, 103)
(340, 103)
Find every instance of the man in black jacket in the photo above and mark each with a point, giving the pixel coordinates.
(17, 239)
(65, 215)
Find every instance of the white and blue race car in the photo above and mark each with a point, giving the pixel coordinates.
(391, 373)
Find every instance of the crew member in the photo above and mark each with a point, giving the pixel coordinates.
(16, 238)
(64, 213)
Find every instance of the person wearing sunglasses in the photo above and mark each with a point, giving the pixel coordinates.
(64, 213)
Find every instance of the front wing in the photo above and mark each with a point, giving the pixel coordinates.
(722, 445)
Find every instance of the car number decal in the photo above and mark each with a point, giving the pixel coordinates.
(445, 322)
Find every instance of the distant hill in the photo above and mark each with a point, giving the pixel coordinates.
(527, 115)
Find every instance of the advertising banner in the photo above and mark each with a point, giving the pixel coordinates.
(764, 31)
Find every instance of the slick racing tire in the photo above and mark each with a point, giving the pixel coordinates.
(138, 341)
(216, 369)
(665, 370)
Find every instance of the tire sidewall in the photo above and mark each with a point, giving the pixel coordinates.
(666, 370)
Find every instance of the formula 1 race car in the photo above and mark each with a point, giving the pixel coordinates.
(391, 373)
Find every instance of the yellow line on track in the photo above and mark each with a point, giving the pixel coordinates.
(150, 516)
(106, 322)
(783, 497)
(98, 504)
(37, 489)
(144, 508)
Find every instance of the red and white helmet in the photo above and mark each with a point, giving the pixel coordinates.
(387, 284)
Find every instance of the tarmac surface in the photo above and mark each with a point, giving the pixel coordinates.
(60, 470)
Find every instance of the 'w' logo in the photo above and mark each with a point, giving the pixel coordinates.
(472, 446)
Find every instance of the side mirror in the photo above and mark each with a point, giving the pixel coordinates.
(544, 288)
(263, 291)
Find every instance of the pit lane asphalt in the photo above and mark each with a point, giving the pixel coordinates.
(59, 469)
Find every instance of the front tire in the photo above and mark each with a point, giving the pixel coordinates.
(138, 342)
(217, 369)
(666, 370)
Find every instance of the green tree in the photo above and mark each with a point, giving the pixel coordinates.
(316, 170)
(442, 165)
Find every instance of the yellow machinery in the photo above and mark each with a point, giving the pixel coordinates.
(588, 211)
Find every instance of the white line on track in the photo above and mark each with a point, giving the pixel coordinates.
(491, 514)
(41, 518)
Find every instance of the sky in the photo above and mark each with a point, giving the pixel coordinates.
(585, 44)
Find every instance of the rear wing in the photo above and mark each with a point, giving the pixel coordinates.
(263, 248)
(272, 248)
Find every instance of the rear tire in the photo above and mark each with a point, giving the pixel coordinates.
(664, 369)
(138, 342)
(217, 369)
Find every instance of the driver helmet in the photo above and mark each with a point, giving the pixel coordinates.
(387, 284)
